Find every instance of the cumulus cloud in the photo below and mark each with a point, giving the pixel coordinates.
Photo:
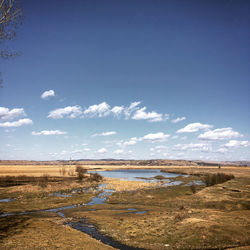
(106, 133)
(69, 112)
(178, 119)
(18, 123)
(119, 151)
(102, 151)
(122, 152)
(236, 144)
(100, 110)
(117, 110)
(155, 137)
(133, 111)
(6, 114)
(153, 116)
(45, 95)
(193, 147)
(132, 141)
(194, 127)
(219, 134)
(132, 107)
(222, 150)
(49, 132)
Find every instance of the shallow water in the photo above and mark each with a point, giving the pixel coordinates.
(7, 200)
(135, 174)
(91, 230)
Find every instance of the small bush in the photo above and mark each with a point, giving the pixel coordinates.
(80, 171)
(193, 188)
(159, 177)
(213, 179)
(43, 181)
(95, 177)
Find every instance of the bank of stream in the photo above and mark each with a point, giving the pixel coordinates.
(102, 194)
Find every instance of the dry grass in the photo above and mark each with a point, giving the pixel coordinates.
(56, 170)
(43, 231)
(215, 217)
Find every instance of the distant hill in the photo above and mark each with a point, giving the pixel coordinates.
(158, 162)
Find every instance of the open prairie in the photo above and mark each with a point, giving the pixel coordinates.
(56, 169)
(174, 212)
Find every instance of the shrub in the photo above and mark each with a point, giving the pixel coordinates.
(80, 171)
(193, 188)
(159, 177)
(213, 179)
(95, 177)
(43, 181)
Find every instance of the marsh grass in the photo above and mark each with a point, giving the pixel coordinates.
(213, 179)
(214, 217)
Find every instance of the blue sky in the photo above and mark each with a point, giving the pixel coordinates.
(128, 79)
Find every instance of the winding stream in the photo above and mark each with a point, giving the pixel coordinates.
(88, 228)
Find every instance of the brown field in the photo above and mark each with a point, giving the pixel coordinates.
(178, 217)
(54, 170)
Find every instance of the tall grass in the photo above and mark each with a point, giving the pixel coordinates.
(213, 179)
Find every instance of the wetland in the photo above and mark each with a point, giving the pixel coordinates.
(127, 209)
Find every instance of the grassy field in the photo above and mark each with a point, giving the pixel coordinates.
(178, 217)
(216, 217)
(56, 170)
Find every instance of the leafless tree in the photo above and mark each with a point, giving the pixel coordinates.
(11, 15)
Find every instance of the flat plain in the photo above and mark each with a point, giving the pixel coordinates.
(176, 217)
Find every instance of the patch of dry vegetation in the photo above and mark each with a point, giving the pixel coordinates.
(215, 217)
(43, 231)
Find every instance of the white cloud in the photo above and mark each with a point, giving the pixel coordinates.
(69, 111)
(18, 123)
(219, 134)
(193, 147)
(106, 133)
(117, 110)
(161, 147)
(102, 150)
(86, 149)
(123, 152)
(77, 151)
(222, 150)
(104, 109)
(119, 151)
(153, 116)
(132, 107)
(45, 95)
(155, 137)
(178, 119)
(100, 110)
(236, 144)
(6, 114)
(194, 127)
(49, 132)
(132, 141)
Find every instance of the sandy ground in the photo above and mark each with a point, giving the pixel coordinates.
(55, 170)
